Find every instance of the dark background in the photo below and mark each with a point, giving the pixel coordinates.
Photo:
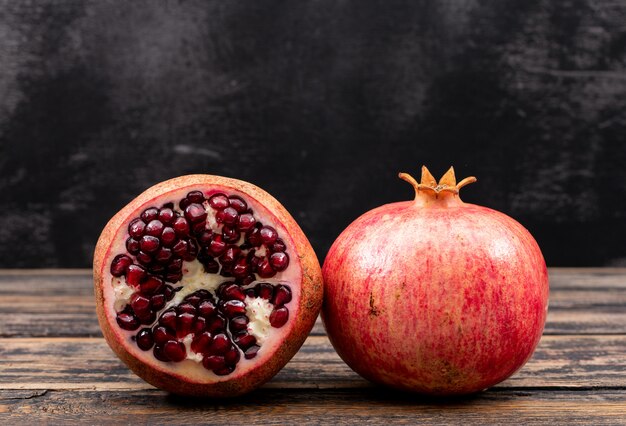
(319, 102)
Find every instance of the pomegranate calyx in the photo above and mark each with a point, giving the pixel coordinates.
(447, 183)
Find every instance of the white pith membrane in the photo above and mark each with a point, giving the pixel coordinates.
(118, 294)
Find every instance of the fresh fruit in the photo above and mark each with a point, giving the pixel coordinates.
(434, 295)
(205, 285)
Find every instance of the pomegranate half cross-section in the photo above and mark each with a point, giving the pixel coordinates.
(205, 285)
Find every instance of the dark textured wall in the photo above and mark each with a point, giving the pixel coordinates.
(319, 102)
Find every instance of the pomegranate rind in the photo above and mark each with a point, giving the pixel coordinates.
(441, 298)
(309, 301)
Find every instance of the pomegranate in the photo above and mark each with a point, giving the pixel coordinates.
(434, 295)
(205, 286)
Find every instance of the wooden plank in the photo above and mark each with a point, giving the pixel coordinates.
(87, 363)
(56, 303)
(328, 406)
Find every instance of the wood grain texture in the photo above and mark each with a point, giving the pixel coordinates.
(63, 372)
(577, 362)
(327, 406)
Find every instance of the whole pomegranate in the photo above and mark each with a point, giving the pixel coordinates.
(205, 286)
(434, 295)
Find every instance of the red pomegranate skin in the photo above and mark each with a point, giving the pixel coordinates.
(434, 295)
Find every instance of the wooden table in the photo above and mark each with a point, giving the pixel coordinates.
(56, 368)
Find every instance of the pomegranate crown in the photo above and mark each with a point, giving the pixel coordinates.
(447, 183)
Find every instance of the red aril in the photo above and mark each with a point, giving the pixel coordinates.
(188, 303)
(435, 295)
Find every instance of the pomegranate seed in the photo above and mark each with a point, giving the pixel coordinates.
(140, 304)
(199, 227)
(192, 251)
(211, 267)
(279, 245)
(219, 201)
(132, 246)
(230, 255)
(199, 325)
(149, 214)
(168, 236)
(184, 203)
(154, 228)
(175, 351)
(196, 197)
(264, 291)
(136, 228)
(232, 292)
(245, 222)
(247, 280)
(265, 270)
(230, 235)
(174, 277)
(250, 292)
(186, 308)
(204, 255)
(193, 299)
(151, 285)
(279, 317)
(183, 324)
(181, 227)
(254, 262)
(219, 344)
(144, 339)
(228, 216)
(146, 317)
(120, 264)
(134, 275)
(157, 302)
(168, 292)
(225, 371)
(144, 258)
(205, 237)
(213, 362)
(166, 215)
(232, 356)
(163, 255)
(168, 319)
(238, 203)
(156, 268)
(217, 324)
(195, 213)
(253, 236)
(217, 246)
(206, 308)
(251, 352)
(279, 261)
(127, 321)
(244, 340)
(268, 235)
(180, 248)
(176, 265)
(282, 295)
(239, 323)
(202, 294)
(200, 343)
(241, 268)
(162, 334)
(233, 308)
(149, 244)
(160, 354)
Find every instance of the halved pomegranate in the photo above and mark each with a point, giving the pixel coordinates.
(205, 285)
